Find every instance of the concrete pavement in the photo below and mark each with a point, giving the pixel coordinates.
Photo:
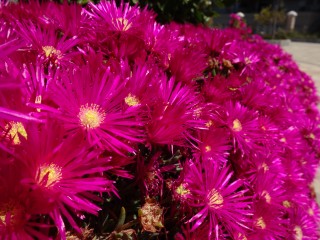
(307, 55)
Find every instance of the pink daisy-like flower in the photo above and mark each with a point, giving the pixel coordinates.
(238, 52)
(219, 200)
(268, 223)
(16, 220)
(303, 225)
(61, 177)
(124, 18)
(187, 64)
(173, 114)
(65, 17)
(243, 125)
(214, 144)
(95, 105)
(46, 44)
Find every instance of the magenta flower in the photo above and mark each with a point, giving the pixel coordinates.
(243, 125)
(16, 206)
(303, 224)
(47, 45)
(173, 114)
(61, 177)
(95, 105)
(215, 144)
(220, 201)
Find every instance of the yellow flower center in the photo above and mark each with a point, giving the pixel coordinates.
(181, 190)
(260, 223)
(286, 204)
(6, 208)
(298, 233)
(215, 199)
(237, 127)
(310, 212)
(50, 51)
(131, 100)
(122, 24)
(312, 136)
(247, 60)
(241, 237)
(91, 116)
(209, 123)
(267, 196)
(208, 148)
(16, 129)
(49, 175)
(265, 167)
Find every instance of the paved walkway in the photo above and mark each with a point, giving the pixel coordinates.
(307, 55)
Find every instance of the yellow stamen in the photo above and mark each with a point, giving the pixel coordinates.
(260, 223)
(298, 233)
(312, 136)
(209, 123)
(237, 127)
(181, 190)
(215, 199)
(208, 148)
(247, 60)
(9, 207)
(50, 51)
(286, 204)
(91, 116)
(49, 175)
(267, 196)
(265, 167)
(122, 23)
(241, 236)
(283, 140)
(16, 129)
(310, 212)
(131, 100)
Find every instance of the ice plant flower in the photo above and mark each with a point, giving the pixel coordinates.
(91, 104)
(60, 177)
(217, 199)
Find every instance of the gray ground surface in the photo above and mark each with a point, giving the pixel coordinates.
(307, 55)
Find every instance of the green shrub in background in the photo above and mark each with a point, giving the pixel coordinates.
(192, 11)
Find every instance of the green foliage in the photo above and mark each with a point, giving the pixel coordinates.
(182, 11)
(268, 15)
(193, 11)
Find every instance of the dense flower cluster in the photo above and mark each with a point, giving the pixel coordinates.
(172, 131)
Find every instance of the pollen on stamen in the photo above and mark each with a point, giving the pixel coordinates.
(122, 24)
(91, 116)
(181, 190)
(260, 223)
(4, 210)
(265, 167)
(286, 204)
(49, 175)
(215, 199)
(131, 100)
(209, 123)
(266, 196)
(50, 51)
(298, 233)
(236, 125)
(208, 148)
(241, 237)
(16, 129)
